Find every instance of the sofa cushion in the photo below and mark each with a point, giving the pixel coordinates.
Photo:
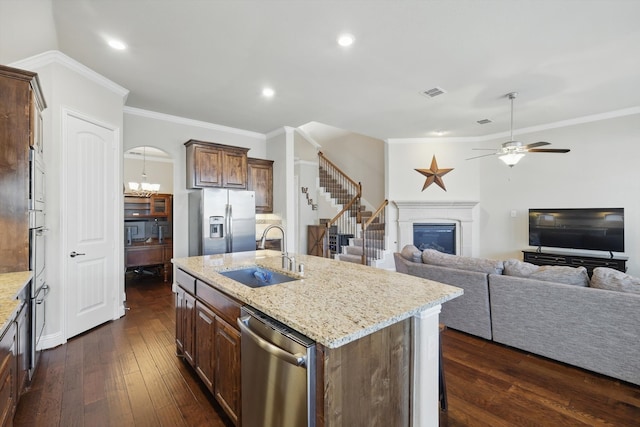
(614, 280)
(549, 273)
(411, 253)
(482, 265)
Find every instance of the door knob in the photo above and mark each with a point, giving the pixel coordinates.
(74, 254)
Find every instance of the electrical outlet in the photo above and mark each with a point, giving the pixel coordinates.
(514, 213)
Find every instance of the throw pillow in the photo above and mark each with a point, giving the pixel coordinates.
(548, 273)
(481, 265)
(411, 253)
(614, 280)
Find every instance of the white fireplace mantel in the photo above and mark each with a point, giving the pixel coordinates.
(463, 213)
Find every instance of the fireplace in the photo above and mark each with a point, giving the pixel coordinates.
(438, 236)
(463, 214)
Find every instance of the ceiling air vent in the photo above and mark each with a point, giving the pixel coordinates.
(484, 121)
(433, 92)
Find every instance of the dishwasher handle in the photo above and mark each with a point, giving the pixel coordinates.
(293, 359)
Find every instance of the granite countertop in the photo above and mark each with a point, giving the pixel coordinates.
(336, 302)
(10, 286)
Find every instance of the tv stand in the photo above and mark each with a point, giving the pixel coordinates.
(570, 260)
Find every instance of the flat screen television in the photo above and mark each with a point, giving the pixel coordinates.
(590, 228)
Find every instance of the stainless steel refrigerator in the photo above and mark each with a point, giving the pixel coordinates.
(221, 221)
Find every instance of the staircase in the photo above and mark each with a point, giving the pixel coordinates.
(356, 234)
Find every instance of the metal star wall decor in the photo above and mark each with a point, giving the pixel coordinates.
(434, 174)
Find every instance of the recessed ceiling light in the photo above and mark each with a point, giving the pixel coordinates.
(440, 132)
(268, 92)
(345, 40)
(117, 44)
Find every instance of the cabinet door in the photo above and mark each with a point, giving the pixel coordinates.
(185, 324)
(208, 164)
(234, 170)
(227, 368)
(205, 344)
(160, 206)
(180, 320)
(261, 181)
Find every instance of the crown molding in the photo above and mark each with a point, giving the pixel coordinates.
(56, 57)
(554, 125)
(134, 111)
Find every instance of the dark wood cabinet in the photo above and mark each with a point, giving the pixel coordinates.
(570, 260)
(8, 378)
(21, 103)
(185, 324)
(207, 338)
(216, 165)
(227, 368)
(261, 181)
(204, 351)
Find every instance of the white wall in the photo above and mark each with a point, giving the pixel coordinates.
(600, 171)
(158, 172)
(64, 88)
(280, 149)
(169, 134)
(362, 159)
(404, 183)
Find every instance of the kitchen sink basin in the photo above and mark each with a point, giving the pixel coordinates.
(257, 277)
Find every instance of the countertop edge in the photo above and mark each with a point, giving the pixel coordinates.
(11, 285)
(326, 341)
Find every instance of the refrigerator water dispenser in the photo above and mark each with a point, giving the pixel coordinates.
(216, 227)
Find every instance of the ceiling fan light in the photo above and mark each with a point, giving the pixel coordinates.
(511, 159)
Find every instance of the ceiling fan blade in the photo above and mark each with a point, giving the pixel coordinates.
(484, 155)
(549, 150)
(536, 144)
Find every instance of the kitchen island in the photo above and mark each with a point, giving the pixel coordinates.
(376, 333)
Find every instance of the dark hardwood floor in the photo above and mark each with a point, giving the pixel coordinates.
(123, 373)
(489, 384)
(126, 373)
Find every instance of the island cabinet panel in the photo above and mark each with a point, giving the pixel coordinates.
(207, 338)
(366, 382)
(216, 165)
(185, 324)
(227, 368)
(205, 333)
(261, 182)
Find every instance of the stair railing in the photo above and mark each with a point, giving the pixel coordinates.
(373, 233)
(348, 194)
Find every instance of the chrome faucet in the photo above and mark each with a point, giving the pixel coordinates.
(288, 263)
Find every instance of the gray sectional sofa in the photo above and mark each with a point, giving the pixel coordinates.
(556, 312)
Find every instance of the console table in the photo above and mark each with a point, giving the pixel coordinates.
(570, 260)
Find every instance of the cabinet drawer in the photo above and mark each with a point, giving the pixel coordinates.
(224, 306)
(186, 281)
(144, 256)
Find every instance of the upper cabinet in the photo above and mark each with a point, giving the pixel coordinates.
(216, 165)
(261, 181)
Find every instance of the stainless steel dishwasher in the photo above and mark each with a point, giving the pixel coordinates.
(278, 373)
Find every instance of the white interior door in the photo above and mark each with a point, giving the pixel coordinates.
(91, 221)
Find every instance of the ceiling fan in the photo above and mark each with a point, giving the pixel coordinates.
(512, 151)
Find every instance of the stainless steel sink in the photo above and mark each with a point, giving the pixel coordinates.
(265, 277)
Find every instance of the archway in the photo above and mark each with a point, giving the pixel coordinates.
(148, 213)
